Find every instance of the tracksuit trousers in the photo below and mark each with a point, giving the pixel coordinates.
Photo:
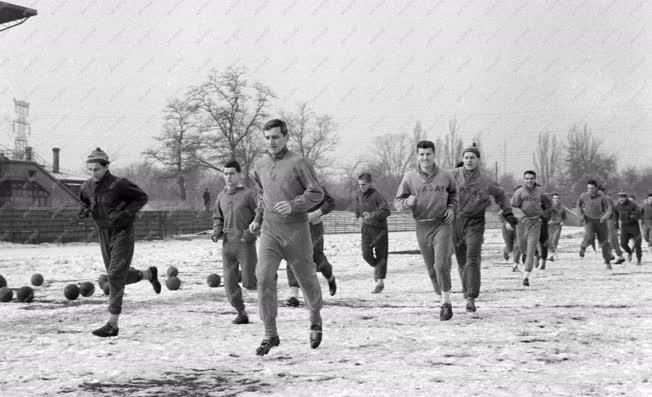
(468, 235)
(593, 226)
(323, 265)
(528, 232)
(435, 241)
(235, 255)
(375, 245)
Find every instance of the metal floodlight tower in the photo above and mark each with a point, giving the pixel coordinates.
(21, 128)
(11, 12)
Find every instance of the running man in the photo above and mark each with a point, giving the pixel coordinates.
(431, 194)
(474, 189)
(646, 221)
(612, 227)
(509, 238)
(287, 189)
(235, 209)
(372, 208)
(595, 209)
(532, 201)
(556, 222)
(628, 214)
(113, 202)
(317, 236)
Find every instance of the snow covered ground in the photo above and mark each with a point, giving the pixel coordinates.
(577, 330)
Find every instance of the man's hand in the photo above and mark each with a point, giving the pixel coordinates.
(366, 215)
(410, 201)
(216, 236)
(561, 223)
(450, 215)
(508, 226)
(283, 207)
(313, 216)
(511, 220)
(603, 218)
(355, 219)
(83, 213)
(254, 227)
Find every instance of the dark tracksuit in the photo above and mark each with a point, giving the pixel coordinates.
(289, 177)
(473, 191)
(557, 217)
(112, 203)
(509, 237)
(234, 210)
(628, 214)
(592, 208)
(374, 230)
(435, 193)
(612, 228)
(544, 236)
(646, 218)
(533, 203)
(317, 237)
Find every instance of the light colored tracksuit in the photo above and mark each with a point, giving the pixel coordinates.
(591, 209)
(473, 190)
(234, 210)
(612, 228)
(511, 243)
(628, 214)
(435, 193)
(532, 202)
(317, 238)
(646, 220)
(286, 177)
(557, 217)
(113, 203)
(374, 233)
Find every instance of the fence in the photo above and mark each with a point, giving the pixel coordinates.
(62, 226)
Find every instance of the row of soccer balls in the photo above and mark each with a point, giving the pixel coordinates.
(87, 288)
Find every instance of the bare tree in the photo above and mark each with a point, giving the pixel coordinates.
(393, 155)
(547, 158)
(453, 146)
(178, 143)
(350, 177)
(311, 135)
(232, 111)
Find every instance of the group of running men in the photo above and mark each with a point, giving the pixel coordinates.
(285, 213)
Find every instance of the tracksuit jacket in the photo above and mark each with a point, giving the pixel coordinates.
(434, 192)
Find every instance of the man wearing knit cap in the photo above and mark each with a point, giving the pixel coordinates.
(287, 189)
(474, 189)
(628, 214)
(594, 210)
(431, 194)
(530, 199)
(113, 202)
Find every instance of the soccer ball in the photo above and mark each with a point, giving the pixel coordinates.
(6, 294)
(37, 279)
(71, 291)
(173, 271)
(25, 294)
(213, 280)
(173, 283)
(86, 288)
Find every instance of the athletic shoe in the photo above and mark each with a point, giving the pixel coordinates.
(292, 302)
(526, 282)
(107, 330)
(629, 257)
(155, 283)
(315, 335)
(538, 263)
(446, 312)
(620, 260)
(608, 265)
(582, 251)
(515, 268)
(332, 286)
(523, 258)
(552, 258)
(506, 255)
(470, 306)
(379, 288)
(543, 265)
(241, 319)
(267, 344)
(612, 258)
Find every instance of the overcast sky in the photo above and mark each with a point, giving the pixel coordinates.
(98, 73)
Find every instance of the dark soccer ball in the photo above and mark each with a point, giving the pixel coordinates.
(71, 291)
(172, 271)
(213, 280)
(6, 294)
(106, 288)
(86, 288)
(173, 283)
(37, 279)
(3, 282)
(102, 280)
(25, 294)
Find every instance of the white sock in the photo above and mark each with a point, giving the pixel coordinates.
(445, 297)
(526, 274)
(294, 291)
(113, 319)
(380, 282)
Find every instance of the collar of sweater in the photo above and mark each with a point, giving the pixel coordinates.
(433, 171)
(278, 155)
(234, 189)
